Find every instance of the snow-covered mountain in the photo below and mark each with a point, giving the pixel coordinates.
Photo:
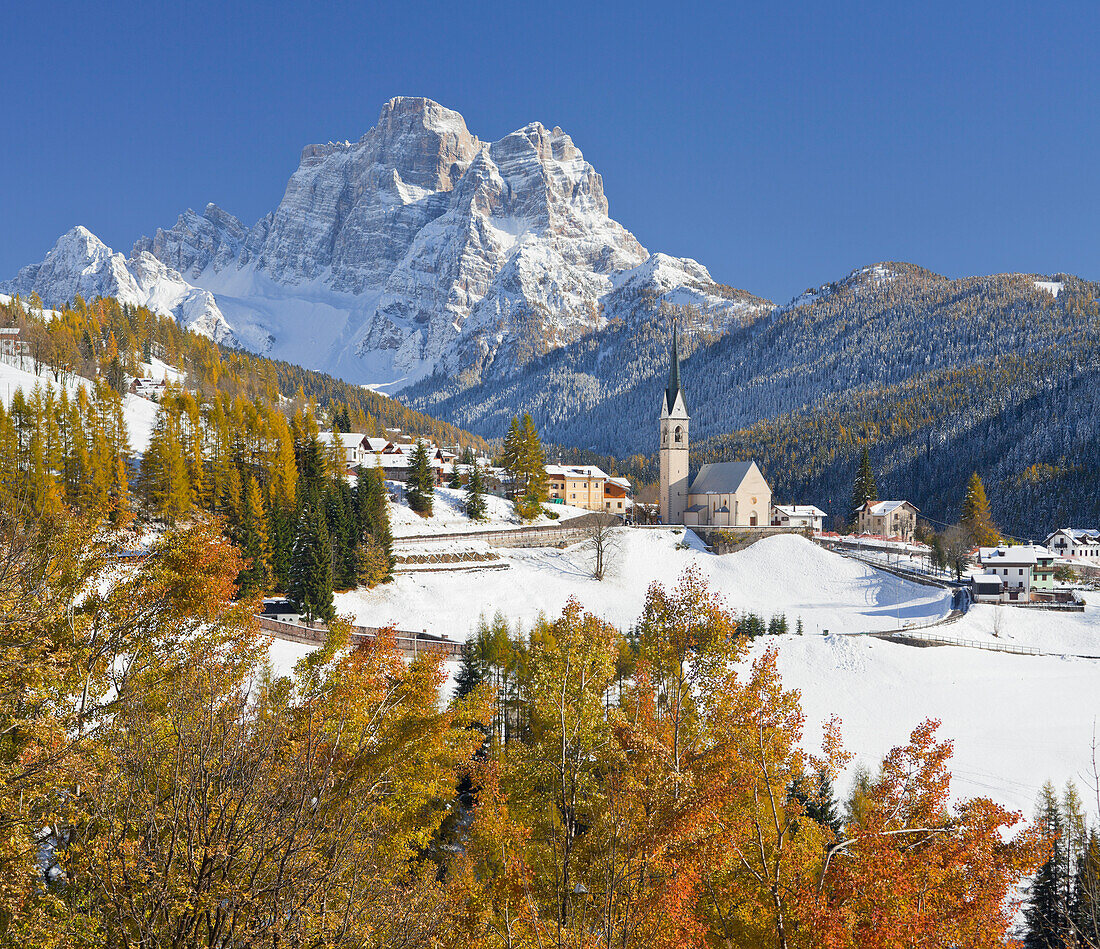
(81, 264)
(417, 249)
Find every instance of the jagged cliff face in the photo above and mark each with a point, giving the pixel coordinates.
(421, 249)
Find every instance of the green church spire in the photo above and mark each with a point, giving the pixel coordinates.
(674, 387)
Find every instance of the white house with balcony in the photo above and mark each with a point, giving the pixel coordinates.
(1024, 570)
(1072, 544)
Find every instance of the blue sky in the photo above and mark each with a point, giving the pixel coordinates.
(781, 144)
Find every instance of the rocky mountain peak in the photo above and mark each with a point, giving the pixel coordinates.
(417, 248)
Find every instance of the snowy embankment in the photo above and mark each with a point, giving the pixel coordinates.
(140, 413)
(449, 514)
(1016, 720)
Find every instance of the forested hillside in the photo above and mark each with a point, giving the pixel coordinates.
(104, 337)
(940, 377)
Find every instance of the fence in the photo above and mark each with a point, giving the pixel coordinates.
(408, 641)
(571, 531)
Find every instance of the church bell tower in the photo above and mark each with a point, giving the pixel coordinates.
(674, 444)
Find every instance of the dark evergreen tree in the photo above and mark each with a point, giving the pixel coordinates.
(471, 670)
(420, 487)
(1045, 912)
(815, 794)
(344, 536)
(475, 495)
(864, 488)
(280, 532)
(311, 564)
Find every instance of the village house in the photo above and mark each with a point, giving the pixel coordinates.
(394, 457)
(148, 388)
(577, 485)
(802, 516)
(12, 344)
(887, 519)
(1072, 544)
(1026, 572)
(355, 445)
(617, 497)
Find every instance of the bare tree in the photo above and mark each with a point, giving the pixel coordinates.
(956, 548)
(603, 540)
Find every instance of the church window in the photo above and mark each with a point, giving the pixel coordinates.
(679, 434)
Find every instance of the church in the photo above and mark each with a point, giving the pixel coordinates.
(726, 494)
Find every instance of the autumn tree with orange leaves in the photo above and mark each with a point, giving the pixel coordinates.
(669, 817)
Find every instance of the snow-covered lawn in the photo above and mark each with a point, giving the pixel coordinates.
(1047, 630)
(449, 514)
(1016, 721)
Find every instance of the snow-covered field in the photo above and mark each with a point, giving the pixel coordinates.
(1016, 720)
(783, 574)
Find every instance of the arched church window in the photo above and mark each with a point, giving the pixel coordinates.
(679, 434)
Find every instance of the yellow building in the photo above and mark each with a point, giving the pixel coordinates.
(577, 485)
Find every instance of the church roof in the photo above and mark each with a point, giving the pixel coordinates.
(674, 388)
(722, 477)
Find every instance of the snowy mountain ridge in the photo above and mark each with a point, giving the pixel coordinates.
(417, 249)
(81, 264)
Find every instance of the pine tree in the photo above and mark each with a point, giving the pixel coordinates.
(534, 462)
(976, 517)
(1045, 912)
(511, 458)
(420, 486)
(252, 539)
(864, 489)
(475, 495)
(373, 503)
(310, 586)
(280, 532)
